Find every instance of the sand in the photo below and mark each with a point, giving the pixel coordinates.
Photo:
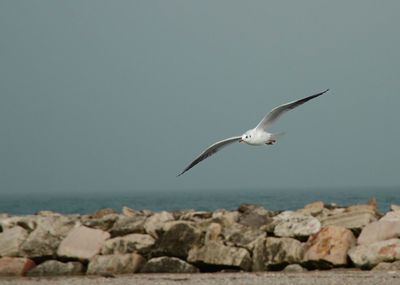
(331, 277)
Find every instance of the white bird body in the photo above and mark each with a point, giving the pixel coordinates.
(256, 136)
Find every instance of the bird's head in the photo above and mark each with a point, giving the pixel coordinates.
(246, 137)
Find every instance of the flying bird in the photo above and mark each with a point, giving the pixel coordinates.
(256, 136)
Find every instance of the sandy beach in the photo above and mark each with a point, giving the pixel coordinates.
(331, 277)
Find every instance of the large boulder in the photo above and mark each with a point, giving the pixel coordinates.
(176, 239)
(241, 236)
(378, 231)
(273, 253)
(166, 264)
(128, 225)
(369, 255)
(355, 219)
(291, 224)
(46, 237)
(82, 243)
(15, 266)
(156, 222)
(56, 268)
(140, 243)
(115, 264)
(11, 241)
(217, 255)
(329, 247)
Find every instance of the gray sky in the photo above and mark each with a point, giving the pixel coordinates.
(122, 95)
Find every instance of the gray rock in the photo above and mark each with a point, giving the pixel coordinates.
(291, 224)
(140, 243)
(82, 243)
(104, 223)
(128, 225)
(369, 255)
(275, 253)
(254, 216)
(177, 238)
(166, 264)
(378, 231)
(294, 268)
(46, 237)
(115, 264)
(11, 241)
(220, 255)
(56, 268)
(241, 236)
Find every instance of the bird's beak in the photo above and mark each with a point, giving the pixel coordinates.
(240, 141)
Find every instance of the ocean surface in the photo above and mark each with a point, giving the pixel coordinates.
(282, 199)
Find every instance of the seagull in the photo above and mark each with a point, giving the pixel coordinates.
(256, 136)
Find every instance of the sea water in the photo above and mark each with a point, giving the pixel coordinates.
(278, 199)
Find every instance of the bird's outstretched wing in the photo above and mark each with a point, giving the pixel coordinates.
(210, 151)
(272, 116)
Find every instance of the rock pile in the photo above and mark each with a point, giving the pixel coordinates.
(250, 238)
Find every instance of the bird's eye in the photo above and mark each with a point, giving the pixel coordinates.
(247, 137)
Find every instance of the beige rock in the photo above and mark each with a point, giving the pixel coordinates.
(350, 219)
(378, 231)
(394, 207)
(103, 212)
(218, 254)
(115, 264)
(11, 241)
(387, 266)
(140, 243)
(82, 243)
(56, 268)
(47, 235)
(393, 216)
(29, 222)
(213, 233)
(369, 255)
(126, 211)
(331, 244)
(156, 222)
(15, 266)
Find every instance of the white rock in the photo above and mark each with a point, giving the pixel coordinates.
(82, 243)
